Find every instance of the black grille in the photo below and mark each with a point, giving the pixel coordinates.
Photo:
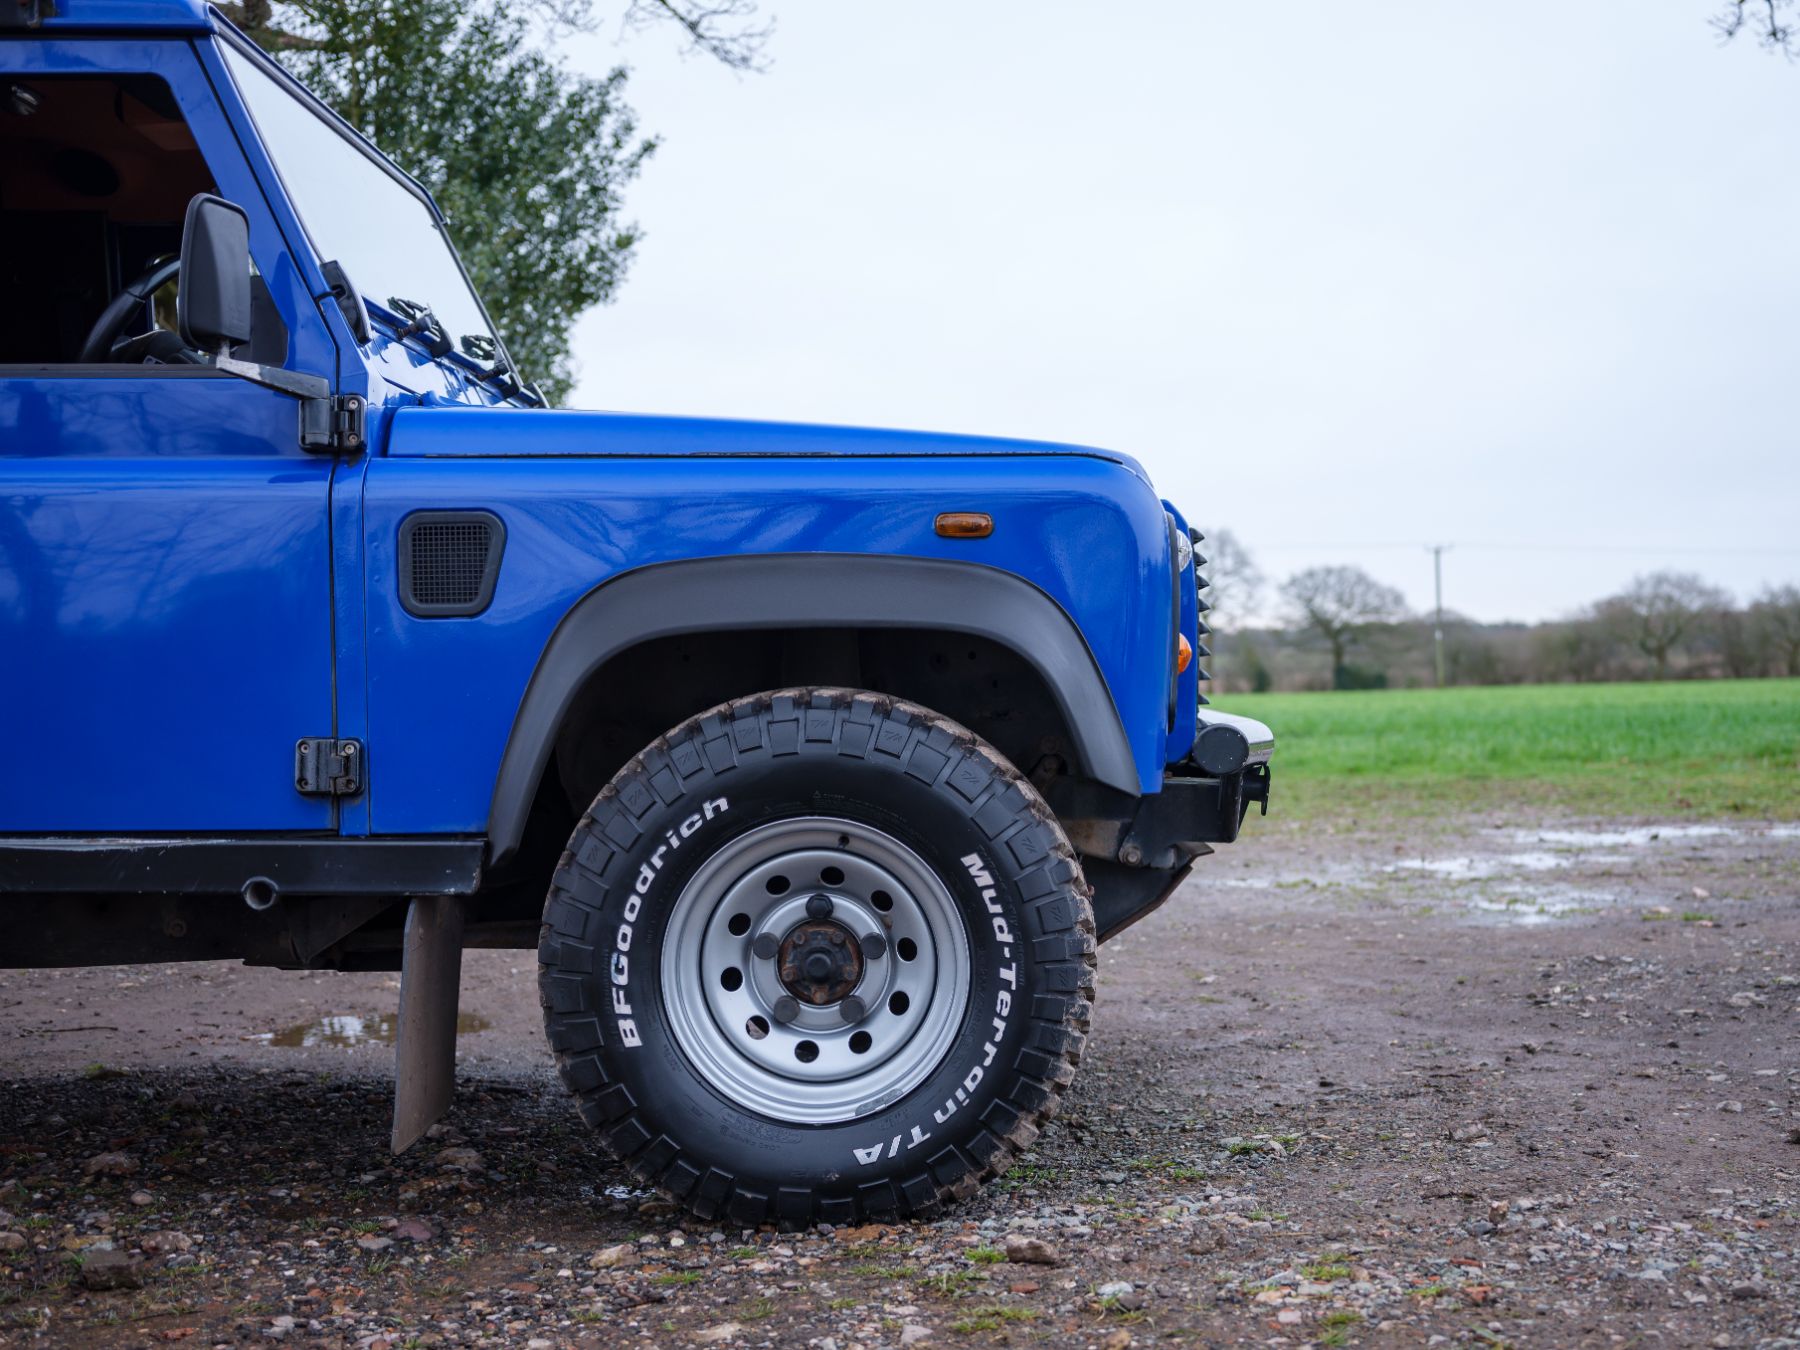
(449, 561)
(1201, 649)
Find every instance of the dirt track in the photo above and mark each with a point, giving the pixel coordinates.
(1533, 1087)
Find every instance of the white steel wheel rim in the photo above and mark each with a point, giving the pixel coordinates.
(820, 1065)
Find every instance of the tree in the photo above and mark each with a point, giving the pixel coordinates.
(1739, 643)
(1762, 18)
(1234, 587)
(528, 161)
(1235, 581)
(1775, 617)
(1659, 612)
(1339, 604)
(1578, 649)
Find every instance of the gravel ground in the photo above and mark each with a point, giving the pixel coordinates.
(1405, 1084)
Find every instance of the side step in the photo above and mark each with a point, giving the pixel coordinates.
(425, 1039)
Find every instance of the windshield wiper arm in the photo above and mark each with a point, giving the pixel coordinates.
(422, 324)
(502, 374)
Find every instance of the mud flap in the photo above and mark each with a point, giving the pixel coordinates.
(425, 1043)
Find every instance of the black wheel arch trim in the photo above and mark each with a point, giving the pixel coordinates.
(805, 590)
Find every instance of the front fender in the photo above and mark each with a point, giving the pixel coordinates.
(808, 590)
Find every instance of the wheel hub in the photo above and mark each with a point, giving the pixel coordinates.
(820, 962)
(815, 969)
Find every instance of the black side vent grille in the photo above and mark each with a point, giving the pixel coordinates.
(449, 561)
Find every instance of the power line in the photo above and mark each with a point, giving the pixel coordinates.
(1657, 549)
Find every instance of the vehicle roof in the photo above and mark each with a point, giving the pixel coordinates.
(170, 15)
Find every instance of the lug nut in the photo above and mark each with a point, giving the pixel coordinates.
(786, 1009)
(853, 1009)
(819, 907)
(874, 946)
(765, 946)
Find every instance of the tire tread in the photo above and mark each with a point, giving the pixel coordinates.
(1000, 802)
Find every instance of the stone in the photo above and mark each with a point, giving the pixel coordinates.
(413, 1230)
(142, 1198)
(110, 1270)
(912, 1333)
(1030, 1251)
(608, 1257)
(13, 1242)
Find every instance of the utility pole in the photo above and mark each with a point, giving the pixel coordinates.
(1437, 628)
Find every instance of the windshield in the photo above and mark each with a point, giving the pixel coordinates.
(357, 212)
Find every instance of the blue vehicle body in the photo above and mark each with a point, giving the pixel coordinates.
(187, 593)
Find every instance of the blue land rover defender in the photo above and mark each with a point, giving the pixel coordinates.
(812, 761)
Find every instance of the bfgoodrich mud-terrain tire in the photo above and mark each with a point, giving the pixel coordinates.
(817, 956)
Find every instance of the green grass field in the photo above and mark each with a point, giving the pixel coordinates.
(1693, 748)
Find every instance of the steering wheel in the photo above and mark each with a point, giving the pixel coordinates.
(102, 343)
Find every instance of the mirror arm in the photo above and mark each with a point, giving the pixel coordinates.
(274, 377)
(328, 425)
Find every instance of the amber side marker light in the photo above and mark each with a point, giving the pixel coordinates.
(1184, 653)
(965, 524)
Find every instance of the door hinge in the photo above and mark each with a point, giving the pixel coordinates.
(333, 426)
(324, 767)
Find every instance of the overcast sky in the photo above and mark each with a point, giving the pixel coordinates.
(1517, 275)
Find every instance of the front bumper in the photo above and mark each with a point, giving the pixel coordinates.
(1206, 796)
(1136, 854)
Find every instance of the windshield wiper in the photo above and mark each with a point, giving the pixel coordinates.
(502, 374)
(422, 324)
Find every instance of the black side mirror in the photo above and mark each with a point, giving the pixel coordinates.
(212, 302)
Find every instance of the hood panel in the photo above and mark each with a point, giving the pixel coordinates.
(484, 433)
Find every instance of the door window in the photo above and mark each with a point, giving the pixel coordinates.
(95, 176)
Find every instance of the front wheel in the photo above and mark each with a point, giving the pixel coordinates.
(817, 956)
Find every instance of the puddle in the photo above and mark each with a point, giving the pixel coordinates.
(1634, 837)
(1541, 904)
(347, 1029)
(1472, 868)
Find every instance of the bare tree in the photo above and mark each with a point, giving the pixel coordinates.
(1236, 581)
(1576, 649)
(729, 31)
(1776, 619)
(1235, 585)
(1762, 18)
(732, 32)
(1339, 603)
(1660, 612)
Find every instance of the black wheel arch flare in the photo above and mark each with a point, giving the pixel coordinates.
(799, 590)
